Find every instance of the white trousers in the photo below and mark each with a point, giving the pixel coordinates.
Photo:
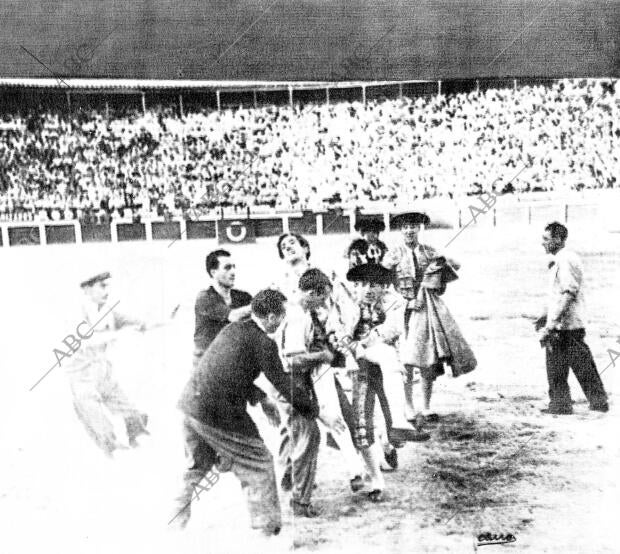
(329, 405)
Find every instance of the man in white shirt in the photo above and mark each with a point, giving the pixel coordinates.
(294, 250)
(307, 350)
(563, 328)
(95, 391)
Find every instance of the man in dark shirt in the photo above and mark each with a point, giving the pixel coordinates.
(220, 303)
(218, 428)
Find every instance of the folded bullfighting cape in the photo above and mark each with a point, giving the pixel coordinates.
(438, 274)
(434, 331)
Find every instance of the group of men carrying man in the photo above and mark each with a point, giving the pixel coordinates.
(328, 349)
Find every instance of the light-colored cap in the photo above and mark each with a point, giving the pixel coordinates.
(94, 278)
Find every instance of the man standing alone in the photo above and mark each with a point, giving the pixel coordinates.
(563, 328)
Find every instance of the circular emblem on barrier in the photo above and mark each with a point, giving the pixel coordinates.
(236, 231)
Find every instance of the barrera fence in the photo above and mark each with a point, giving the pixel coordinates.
(596, 210)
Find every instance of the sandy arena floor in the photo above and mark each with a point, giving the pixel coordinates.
(494, 463)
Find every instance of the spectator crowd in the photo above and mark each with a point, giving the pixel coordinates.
(94, 167)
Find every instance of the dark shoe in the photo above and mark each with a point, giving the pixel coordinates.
(303, 510)
(431, 418)
(132, 440)
(357, 483)
(287, 481)
(550, 411)
(417, 421)
(600, 408)
(392, 459)
(375, 496)
(407, 435)
(136, 426)
(115, 448)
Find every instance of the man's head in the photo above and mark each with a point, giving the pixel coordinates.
(269, 306)
(371, 282)
(554, 237)
(370, 229)
(221, 268)
(315, 288)
(96, 287)
(293, 248)
(409, 225)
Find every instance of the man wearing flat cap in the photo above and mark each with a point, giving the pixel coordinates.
(94, 389)
(410, 260)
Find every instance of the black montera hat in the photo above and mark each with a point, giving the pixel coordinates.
(412, 218)
(95, 279)
(372, 273)
(370, 225)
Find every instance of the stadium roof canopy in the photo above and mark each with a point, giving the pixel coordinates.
(315, 41)
(143, 84)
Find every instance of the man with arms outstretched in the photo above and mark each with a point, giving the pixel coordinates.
(95, 390)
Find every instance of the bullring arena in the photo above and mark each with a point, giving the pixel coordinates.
(492, 465)
(142, 170)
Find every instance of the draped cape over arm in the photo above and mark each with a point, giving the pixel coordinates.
(433, 332)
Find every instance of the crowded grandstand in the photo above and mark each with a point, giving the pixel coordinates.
(309, 276)
(97, 166)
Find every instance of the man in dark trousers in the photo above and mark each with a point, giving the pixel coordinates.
(562, 328)
(220, 304)
(217, 426)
